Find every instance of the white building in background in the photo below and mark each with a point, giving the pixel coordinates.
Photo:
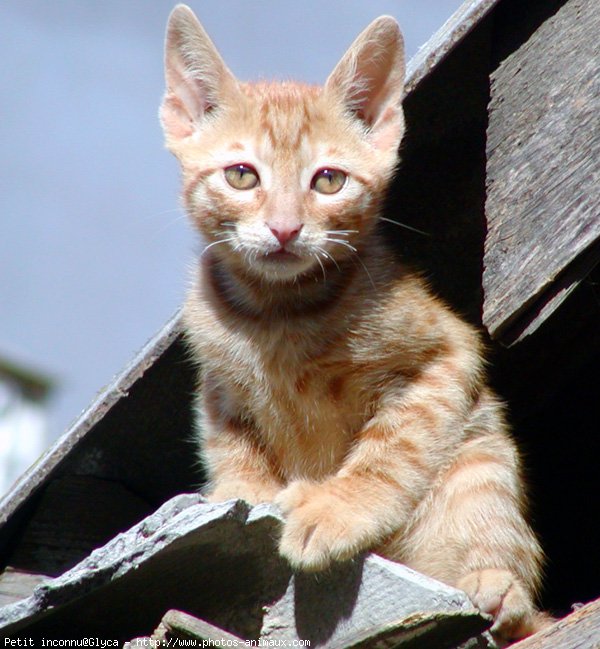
(23, 420)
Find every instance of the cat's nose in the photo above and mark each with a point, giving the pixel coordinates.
(285, 234)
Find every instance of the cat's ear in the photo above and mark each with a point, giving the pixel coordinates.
(198, 81)
(370, 81)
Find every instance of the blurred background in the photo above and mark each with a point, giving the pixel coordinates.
(94, 249)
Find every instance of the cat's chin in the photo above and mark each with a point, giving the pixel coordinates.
(282, 265)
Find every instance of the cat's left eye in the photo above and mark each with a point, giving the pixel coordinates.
(328, 181)
(241, 176)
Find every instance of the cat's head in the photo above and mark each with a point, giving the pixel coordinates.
(283, 178)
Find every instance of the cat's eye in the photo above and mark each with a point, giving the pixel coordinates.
(328, 181)
(241, 176)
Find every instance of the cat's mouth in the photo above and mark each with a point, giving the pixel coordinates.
(281, 255)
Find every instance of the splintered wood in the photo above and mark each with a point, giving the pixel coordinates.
(543, 172)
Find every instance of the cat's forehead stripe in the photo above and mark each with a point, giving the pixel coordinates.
(285, 128)
(285, 111)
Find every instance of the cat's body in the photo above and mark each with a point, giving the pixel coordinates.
(334, 384)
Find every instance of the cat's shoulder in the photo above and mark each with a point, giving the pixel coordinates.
(402, 314)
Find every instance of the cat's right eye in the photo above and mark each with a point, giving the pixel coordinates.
(328, 181)
(241, 176)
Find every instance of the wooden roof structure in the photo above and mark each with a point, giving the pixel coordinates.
(500, 166)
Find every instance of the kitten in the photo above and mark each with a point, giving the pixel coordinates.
(334, 384)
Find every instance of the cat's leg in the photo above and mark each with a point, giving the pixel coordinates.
(237, 464)
(395, 459)
(470, 532)
(238, 467)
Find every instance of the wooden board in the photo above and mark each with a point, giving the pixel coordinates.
(137, 434)
(178, 624)
(543, 170)
(468, 16)
(106, 400)
(440, 187)
(220, 562)
(580, 630)
(74, 515)
(428, 630)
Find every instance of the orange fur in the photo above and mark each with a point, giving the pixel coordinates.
(334, 384)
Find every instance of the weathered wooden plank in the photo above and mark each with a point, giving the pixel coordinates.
(580, 630)
(17, 584)
(450, 34)
(145, 411)
(542, 307)
(220, 562)
(184, 626)
(427, 630)
(543, 170)
(38, 473)
(423, 630)
(74, 515)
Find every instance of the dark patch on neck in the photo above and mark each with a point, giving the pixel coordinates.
(244, 296)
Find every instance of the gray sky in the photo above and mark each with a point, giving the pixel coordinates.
(93, 248)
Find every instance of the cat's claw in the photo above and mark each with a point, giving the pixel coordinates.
(319, 529)
(501, 594)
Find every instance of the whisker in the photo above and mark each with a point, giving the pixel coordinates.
(322, 267)
(357, 256)
(344, 233)
(328, 256)
(214, 243)
(341, 242)
(170, 223)
(403, 225)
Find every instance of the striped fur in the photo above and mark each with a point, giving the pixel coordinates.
(334, 383)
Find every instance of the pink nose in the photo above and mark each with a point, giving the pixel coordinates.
(285, 234)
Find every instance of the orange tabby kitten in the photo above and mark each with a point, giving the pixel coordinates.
(334, 384)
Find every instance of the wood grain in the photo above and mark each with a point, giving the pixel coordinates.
(580, 630)
(467, 17)
(185, 626)
(543, 170)
(107, 399)
(74, 515)
(134, 433)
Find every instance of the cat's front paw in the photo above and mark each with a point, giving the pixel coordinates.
(320, 528)
(501, 594)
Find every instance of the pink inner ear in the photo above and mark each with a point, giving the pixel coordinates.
(370, 78)
(387, 131)
(175, 119)
(378, 83)
(197, 78)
